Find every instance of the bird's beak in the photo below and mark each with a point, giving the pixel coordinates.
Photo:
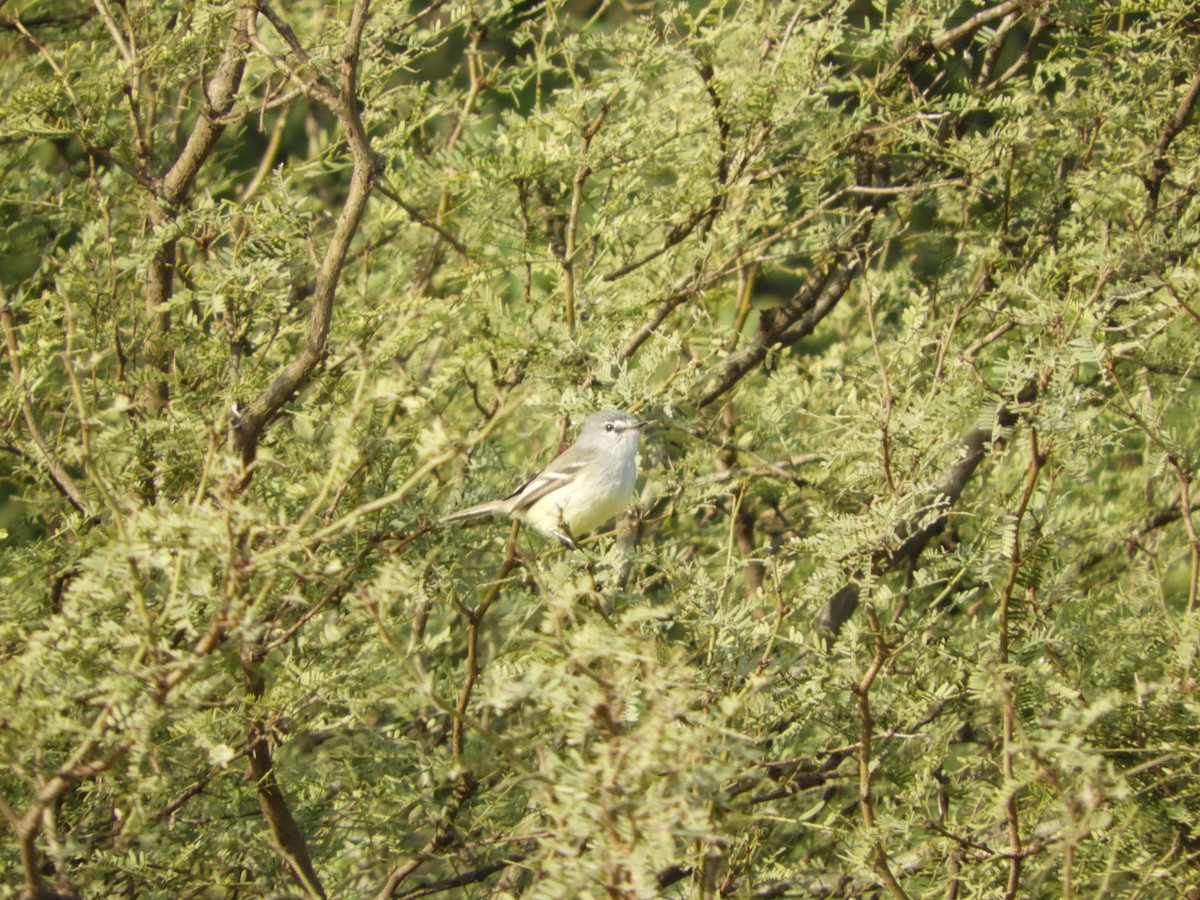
(640, 423)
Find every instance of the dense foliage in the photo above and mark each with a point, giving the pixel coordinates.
(907, 604)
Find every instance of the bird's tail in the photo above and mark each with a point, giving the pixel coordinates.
(491, 508)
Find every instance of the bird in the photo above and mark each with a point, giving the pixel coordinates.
(582, 488)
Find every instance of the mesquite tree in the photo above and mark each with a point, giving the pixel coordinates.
(907, 602)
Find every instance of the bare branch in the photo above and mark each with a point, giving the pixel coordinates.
(473, 876)
(797, 318)
(421, 219)
(566, 250)
(1008, 750)
(674, 236)
(49, 20)
(319, 87)
(219, 96)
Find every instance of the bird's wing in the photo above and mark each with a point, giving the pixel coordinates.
(556, 475)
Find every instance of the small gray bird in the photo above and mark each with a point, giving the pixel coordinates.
(583, 487)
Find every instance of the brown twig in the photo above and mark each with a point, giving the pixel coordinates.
(49, 20)
(1174, 124)
(474, 617)
(473, 876)
(673, 237)
(950, 35)
(566, 252)
(288, 838)
(421, 219)
(889, 399)
(1183, 478)
(862, 690)
(914, 535)
(82, 765)
(168, 192)
(1036, 461)
(693, 285)
(1040, 24)
(466, 783)
(62, 480)
(797, 318)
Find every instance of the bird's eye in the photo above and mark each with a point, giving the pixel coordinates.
(608, 427)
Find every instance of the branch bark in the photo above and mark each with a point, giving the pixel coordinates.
(782, 327)
(1170, 129)
(1008, 703)
(913, 537)
(62, 480)
(466, 783)
(288, 838)
(249, 423)
(827, 284)
(168, 192)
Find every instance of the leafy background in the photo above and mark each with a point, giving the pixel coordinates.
(907, 601)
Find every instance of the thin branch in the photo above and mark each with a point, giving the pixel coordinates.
(1185, 502)
(474, 619)
(77, 768)
(477, 82)
(566, 252)
(1040, 24)
(889, 399)
(421, 219)
(915, 534)
(267, 162)
(219, 96)
(62, 480)
(288, 838)
(49, 20)
(114, 31)
(1170, 128)
(466, 782)
(674, 236)
(472, 876)
(442, 838)
(249, 425)
(318, 87)
(828, 283)
(990, 338)
(866, 803)
(991, 55)
(782, 327)
(950, 35)
(664, 309)
(900, 190)
(692, 286)
(170, 189)
(1008, 705)
(1183, 478)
